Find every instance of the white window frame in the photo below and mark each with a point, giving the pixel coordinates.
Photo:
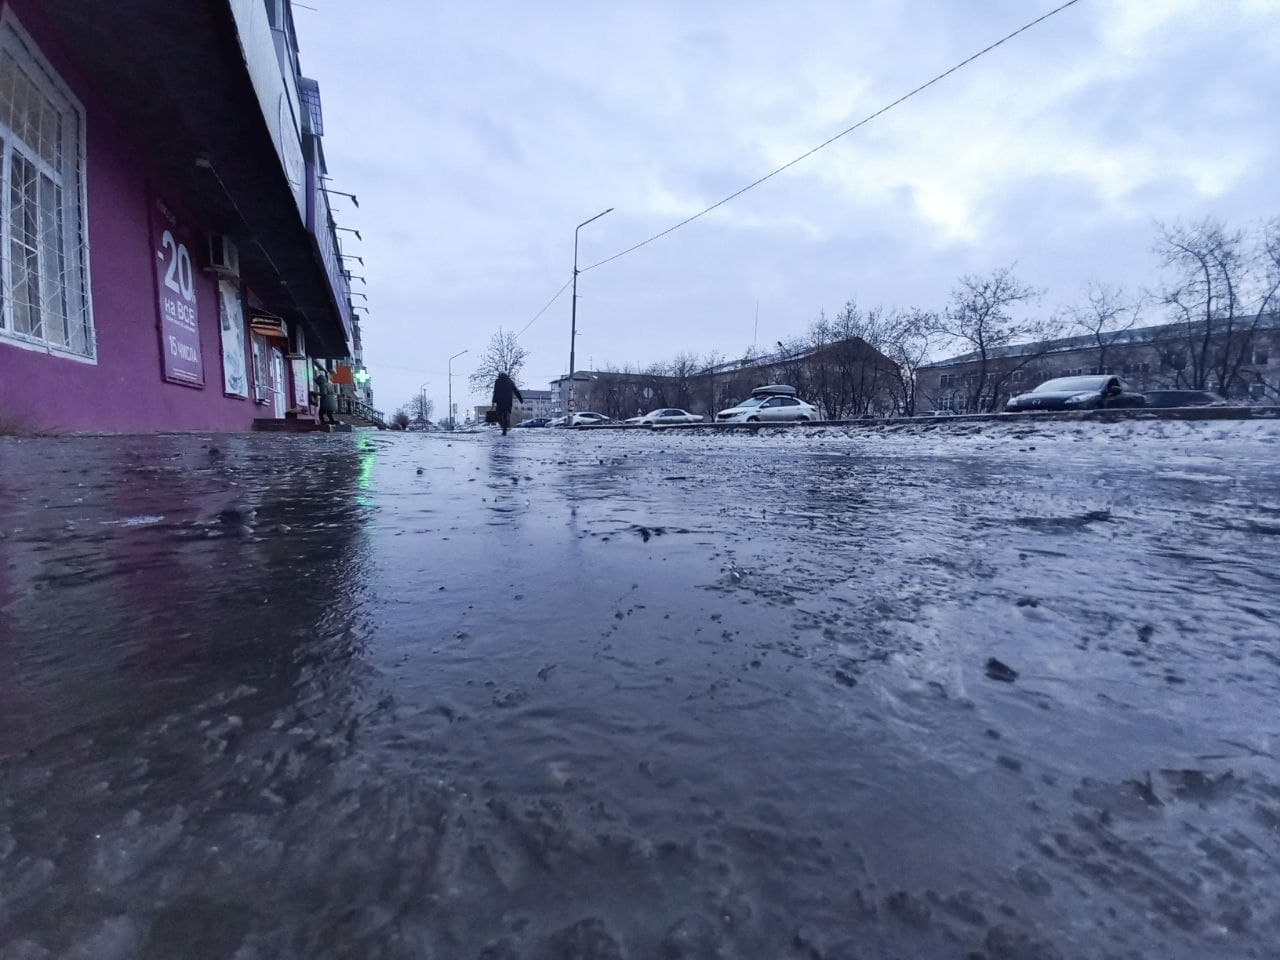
(74, 240)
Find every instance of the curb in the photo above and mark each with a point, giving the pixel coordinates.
(932, 423)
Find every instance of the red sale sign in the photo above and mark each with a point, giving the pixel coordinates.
(176, 299)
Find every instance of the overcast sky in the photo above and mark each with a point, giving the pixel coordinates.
(477, 135)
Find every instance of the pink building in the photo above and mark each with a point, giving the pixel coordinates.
(168, 259)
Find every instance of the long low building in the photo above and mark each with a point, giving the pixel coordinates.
(845, 378)
(170, 260)
(1241, 361)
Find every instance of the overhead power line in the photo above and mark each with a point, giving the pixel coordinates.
(826, 143)
(545, 308)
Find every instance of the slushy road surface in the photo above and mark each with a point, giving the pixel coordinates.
(601, 695)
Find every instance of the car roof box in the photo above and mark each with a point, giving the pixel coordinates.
(774, 389)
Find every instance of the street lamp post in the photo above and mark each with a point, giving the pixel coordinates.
(422, 403)
(451, 359)
(573, 316)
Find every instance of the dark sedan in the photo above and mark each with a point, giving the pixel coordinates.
(1078, 393)
(535, 422)
(1183, 398)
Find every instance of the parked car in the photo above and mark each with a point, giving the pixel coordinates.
(535, 422)
(1078, 393)
(667, 415)
(1182, 398)
(585, 418)
(775, 402)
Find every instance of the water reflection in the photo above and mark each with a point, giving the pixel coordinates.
(174, 609)
(573, 696)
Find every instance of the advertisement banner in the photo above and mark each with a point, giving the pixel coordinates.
(235, 372)
(301, 382)
(176, 299)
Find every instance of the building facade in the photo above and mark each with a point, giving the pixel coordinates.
(847, 378)
(1241, 362)
(169, 257)
(537, 403)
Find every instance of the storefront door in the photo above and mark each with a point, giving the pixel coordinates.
(279, 384)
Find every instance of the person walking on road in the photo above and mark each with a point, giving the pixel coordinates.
(328, 397)
(504, 389)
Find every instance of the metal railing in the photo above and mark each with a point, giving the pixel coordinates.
(353, 407)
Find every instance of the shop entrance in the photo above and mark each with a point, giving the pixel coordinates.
(279, 384)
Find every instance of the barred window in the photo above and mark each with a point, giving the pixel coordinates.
(43, 249)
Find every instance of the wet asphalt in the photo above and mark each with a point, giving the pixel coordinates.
(632, 695)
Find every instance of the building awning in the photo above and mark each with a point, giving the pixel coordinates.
(268, 326)
(176, 75)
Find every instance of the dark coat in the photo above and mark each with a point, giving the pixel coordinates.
(503, 390)
(328, 394)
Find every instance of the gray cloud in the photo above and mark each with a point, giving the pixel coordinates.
(477, 135)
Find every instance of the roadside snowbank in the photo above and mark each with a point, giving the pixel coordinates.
(987, 432)
(1198, 442)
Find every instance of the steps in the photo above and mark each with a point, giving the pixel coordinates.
(287, 425)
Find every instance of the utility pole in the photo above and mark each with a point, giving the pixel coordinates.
(451, 359)
(573, 317)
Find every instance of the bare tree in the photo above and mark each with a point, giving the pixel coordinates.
(416, 408)
(911, 336)
(684, 367)
(1263, 298)
(1269, 294)
(420, 407)
(401, 419)
(1106, 315)
(981, 317)
(849, 372)
(1206, 262)
(504, 354)
(1223, 283)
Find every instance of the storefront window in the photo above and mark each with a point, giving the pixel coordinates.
(261, 370)
(235, 375)
(43, 256)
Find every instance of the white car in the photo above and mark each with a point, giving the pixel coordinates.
(584, 419)
(667, 415)
(770, 404)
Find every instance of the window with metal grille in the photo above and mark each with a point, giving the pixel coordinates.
(309, 94)
(43, 248)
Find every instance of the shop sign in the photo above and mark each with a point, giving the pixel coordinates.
(176, 299)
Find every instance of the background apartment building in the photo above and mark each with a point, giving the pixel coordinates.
(848, 378)
(1241, 362)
